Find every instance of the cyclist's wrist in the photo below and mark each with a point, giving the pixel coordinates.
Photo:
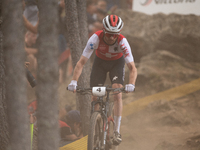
(131, 84)
(74, 82)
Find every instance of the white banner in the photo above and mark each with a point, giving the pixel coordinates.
(167, 6)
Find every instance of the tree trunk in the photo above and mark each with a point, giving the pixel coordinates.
(3, 107)
(13, 45)
(82, 22)
(77, 31)
(47, 76)
(84, 80)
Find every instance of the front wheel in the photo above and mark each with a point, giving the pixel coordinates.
(111, 126)
(95, 133)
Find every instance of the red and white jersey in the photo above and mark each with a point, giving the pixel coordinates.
(108, 52)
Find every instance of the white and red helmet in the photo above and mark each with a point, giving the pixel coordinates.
(113, 23)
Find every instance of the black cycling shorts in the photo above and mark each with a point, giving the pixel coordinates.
(101, 67)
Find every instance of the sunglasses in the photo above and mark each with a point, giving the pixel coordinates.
(108, 34)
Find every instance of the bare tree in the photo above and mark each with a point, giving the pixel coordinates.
(85, 102)
(47, 76)
(76, 21)
(3, 115)
(13, 46)
(82, 22)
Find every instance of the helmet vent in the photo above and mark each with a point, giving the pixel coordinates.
(120, 26)
(118, 21)
(113, 18)
(106, 23)
(109, 20)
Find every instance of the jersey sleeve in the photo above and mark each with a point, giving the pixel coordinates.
(91, 45)
(126, 50)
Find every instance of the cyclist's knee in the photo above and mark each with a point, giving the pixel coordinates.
(117, 97)
(117, 85)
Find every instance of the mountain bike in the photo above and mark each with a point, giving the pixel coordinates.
(102, 124)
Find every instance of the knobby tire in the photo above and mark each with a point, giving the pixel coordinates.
(95, 133)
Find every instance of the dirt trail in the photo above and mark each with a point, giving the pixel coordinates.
(164, 125)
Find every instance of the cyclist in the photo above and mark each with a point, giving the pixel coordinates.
(112, 51)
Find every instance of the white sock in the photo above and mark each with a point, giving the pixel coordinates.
(117, 120)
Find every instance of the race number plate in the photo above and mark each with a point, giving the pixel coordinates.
(99, 91)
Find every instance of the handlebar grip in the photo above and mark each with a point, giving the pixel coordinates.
(30, 78)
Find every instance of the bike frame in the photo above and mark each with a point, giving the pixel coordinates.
(103, 95)
(104, 106)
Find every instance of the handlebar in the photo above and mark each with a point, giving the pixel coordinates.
(99, 91)
(79, 89)
(116, 89)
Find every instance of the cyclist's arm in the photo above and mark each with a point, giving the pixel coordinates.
(126, 50)
(132, 72)
(79, 67)
(87, 52)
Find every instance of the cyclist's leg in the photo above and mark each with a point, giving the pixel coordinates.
(118, 106)
(117, 79)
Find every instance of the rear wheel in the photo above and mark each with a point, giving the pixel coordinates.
(95, 134)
